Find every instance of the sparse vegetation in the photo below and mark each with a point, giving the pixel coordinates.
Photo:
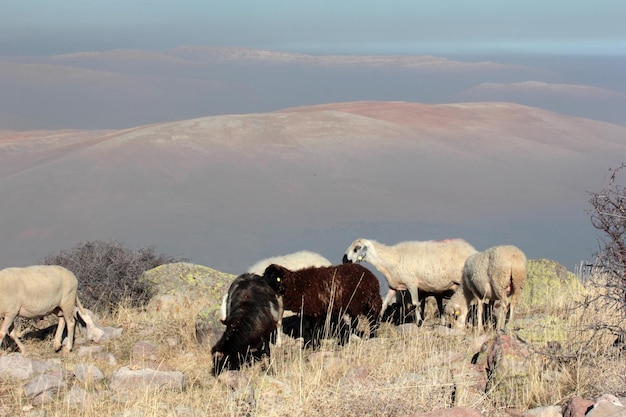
(108, 272)
(400, 372)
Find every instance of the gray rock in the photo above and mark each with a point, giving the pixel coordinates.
(89, 351)
(144, 351)
(43, 388)
(77, 397)
(125, 379)
(448, 412)
(88, 374)
(16, 366)
(547, 411)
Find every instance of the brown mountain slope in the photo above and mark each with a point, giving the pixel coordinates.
(229, 190)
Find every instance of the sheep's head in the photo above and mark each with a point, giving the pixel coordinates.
(452, 313)
(455, 313)
(274, 275)
(223, 362)
(356, 252)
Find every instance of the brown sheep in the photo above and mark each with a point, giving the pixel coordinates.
(329, 295)
(292, 261)
(496, 274)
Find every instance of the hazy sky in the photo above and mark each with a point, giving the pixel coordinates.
(39, 27)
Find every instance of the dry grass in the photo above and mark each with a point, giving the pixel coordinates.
(417, 370)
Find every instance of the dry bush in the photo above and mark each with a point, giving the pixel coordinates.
(108, 273)
(608, 215)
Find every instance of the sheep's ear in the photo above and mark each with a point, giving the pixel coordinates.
(271, 270)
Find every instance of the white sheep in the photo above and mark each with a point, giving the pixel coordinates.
(429, 266)
(35, 292)
(496, 274)
(292, 261)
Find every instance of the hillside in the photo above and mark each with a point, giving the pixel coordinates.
(228, 190)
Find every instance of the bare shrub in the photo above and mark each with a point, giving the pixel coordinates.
(108, 273)
(608, 215)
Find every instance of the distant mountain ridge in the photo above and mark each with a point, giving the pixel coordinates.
(125, 88)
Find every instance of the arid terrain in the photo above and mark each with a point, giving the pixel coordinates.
(226, 190)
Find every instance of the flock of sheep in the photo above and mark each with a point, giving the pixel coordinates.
(324, 299)
(328, 300)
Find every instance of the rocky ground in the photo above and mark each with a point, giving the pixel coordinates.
(155, 362)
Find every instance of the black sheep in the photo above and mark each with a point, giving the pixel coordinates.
(254, 310)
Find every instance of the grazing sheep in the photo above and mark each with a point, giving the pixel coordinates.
(326, 296)
(402, 310)
(254, 313)
(292, 261)
(39, 290)
(496, 274)
(430, 266)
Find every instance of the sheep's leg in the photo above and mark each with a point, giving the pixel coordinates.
(510, 312)
(311, 331)
(71, 327)
(479, 315)
(419, 304)
(489, 314)
(279, 322)
(345, 328)
(503, 316)
(512, 303)
(8, 327)
(372, 319)
(391, 294)
(58, 335)
(422, 312)
(16, 339)
(319, 328)
(265, 350)
(442, 316)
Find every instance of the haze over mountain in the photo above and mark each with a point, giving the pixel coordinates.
(125, 88)
(228, 190)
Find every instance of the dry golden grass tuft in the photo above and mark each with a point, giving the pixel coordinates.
(405, 370)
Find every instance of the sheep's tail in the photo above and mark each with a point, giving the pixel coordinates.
(81, 309)
(518, 279)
